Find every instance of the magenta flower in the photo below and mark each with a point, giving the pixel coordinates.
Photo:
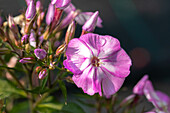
(138, 89)
(61, 3)
(50, 14)
(31, 11)
(90, 24)
(40, 53)
(97, 61)
(24, 39)
(160, 100)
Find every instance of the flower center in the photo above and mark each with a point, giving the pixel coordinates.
(95, 61)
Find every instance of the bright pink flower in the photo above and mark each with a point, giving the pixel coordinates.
(160, 100)
(61, 3)
(97, 61)
(138, 89)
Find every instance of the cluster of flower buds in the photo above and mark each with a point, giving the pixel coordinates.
(42, 43)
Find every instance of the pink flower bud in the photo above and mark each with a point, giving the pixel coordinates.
(24, 39)
(31, 11)
(27, 60)
(32, 39)
(12, 24)
(40, 53)
(38, 5)
(50, 14)
(61, 4)
(43, 73)
(27, 2)
(90, 24)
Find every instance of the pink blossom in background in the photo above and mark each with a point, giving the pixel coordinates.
(138, 89)
(40, 53)
(160, 100)
(97, 61)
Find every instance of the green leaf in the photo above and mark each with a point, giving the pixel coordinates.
(72, 108)
(7, 89)
(63, 89)
(21, 107)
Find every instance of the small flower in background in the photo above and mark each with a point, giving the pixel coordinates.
(97, 61)
(138, 89)
(40, 53)
(31, 11)
(43, 73)
(90, 24)
(27, 60)
(160, 100)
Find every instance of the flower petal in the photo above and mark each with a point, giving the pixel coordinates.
(77, 60)
(111, 84)
(86, 80)
(117, 64)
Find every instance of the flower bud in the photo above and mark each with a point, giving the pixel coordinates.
(27, 2)
(70, 32)
(128, 100)
(43, 73)
(32, 39)
(31, 11)
(38, 69)
(40, 18)
(27, 60)
(24, 39)
(68, 19)
(60, 49)
(50, 14)
(40, 53)
(4, 51)
(12, 25)
(61, 3)
(38, 6)
(51, 67)
(90, 24)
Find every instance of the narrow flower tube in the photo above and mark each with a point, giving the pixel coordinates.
(40, 53)
(43, 73)
(50, 14)
(27, 60)
(31, 11)
(90, 24)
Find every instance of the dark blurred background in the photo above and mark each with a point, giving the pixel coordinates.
(142, 26)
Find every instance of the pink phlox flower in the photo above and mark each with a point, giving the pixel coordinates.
(160, 100)
(138, 89)
(97, 61)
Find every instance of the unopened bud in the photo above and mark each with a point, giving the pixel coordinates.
(70, 32)
(12, 25)
(38, 6)
(50, 14)
(27, 60)
(32, 39)
(40, 53)
(31, 11)
(51, 67)
(90, 24)
(40, 18)
(38, 69)
(24, 39)
(61, 49)
(43, 73)
(4, 51)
